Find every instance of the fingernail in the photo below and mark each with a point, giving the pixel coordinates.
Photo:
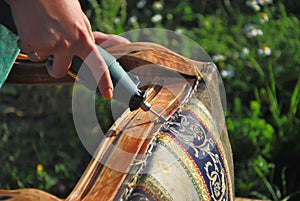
(110, 93)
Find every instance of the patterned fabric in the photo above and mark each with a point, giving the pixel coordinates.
(187, 162)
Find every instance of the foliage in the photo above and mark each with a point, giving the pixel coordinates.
(257, 52)
(39, 145)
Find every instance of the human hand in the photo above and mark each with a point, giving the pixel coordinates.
(59, 28)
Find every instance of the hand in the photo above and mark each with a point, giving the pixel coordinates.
(59, 28)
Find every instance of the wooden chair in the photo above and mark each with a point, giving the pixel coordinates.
(188, 157)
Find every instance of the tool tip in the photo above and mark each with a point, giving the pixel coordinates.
(160, 117)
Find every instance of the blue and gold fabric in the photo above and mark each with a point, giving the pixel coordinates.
(187, 162)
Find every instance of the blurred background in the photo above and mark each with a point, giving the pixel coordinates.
(255, 45)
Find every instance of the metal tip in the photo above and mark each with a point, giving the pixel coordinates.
(156, 114)
(147, 107)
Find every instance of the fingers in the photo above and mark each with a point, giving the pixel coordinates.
(87, 51)
(88, 26)
(97, 65)
(108, 40)
(33, 55)
(59, 66)
(60, 63)
(100, 71)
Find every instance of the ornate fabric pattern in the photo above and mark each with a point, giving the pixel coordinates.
(151, 189)
(187, 160)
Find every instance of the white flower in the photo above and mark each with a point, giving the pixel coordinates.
(252, 31)
(227, 73)
(264, 2)
(179, 31)
(245, 52)
(157, 5)
(219, 57)
(259, 32)
(117, 20)
(264, 18)
(253, 4)
(156, 18)
(169, 16)
(141, 4)
(264, 50)
(133, 19)
(256, 7)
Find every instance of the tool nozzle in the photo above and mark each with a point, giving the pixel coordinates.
(147, 107)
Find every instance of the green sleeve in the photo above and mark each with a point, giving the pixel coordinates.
(8, 52)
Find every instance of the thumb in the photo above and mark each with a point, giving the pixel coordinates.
(59, 66)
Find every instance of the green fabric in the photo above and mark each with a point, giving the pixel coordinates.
(8, 52)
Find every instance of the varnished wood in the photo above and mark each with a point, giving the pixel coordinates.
(144, 54)
(27, 194)
(24, 72)
(130, 56)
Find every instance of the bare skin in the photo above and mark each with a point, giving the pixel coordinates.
(60, 28)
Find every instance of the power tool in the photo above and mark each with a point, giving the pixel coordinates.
(128, 92)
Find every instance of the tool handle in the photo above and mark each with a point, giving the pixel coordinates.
(125, 90)
(117, 73)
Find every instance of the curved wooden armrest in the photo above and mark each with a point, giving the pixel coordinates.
(130, 56)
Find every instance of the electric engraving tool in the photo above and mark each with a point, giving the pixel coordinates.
(128, 92)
